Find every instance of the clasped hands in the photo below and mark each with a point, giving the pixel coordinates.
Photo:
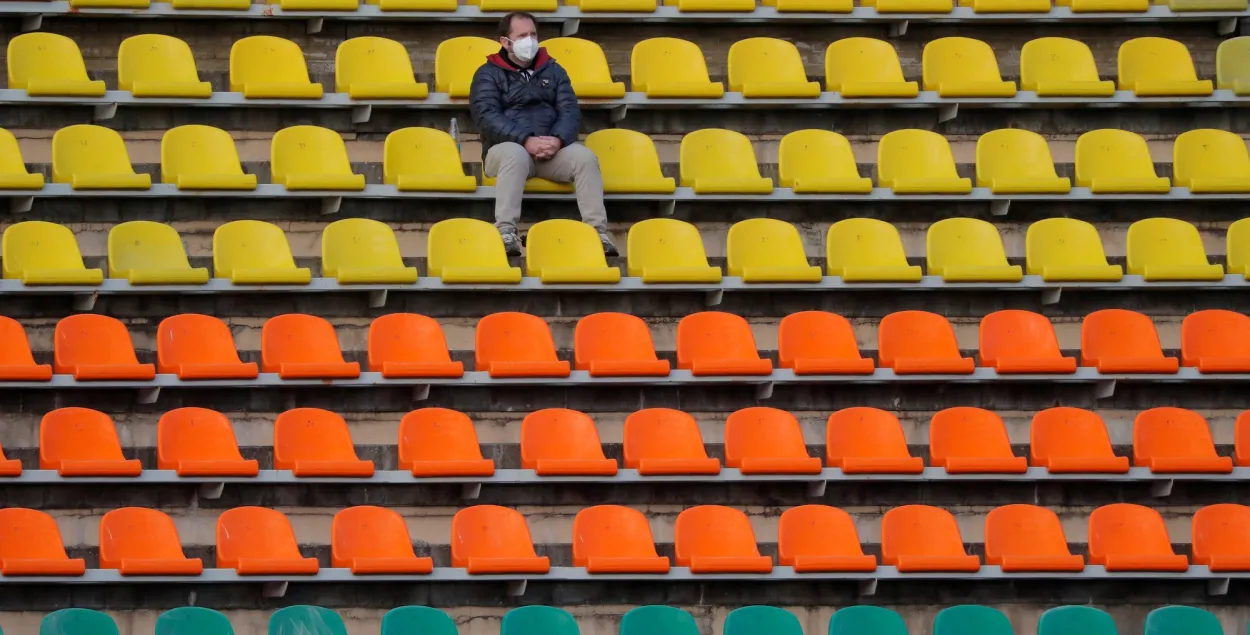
(543, 148)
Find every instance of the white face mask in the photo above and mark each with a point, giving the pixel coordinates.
(525, 48)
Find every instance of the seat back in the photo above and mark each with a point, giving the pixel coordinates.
(764, 60)
(457, 59)
(77, 621)
(264, 59)
(958, 59)
(914, 154)
(559, 243)
(421, 151)
(489, 531)
(310, 434)
(863, 242)
(142, 244)
(1214, 333)
(14, 346)
(191, 338)
(1051, 60)
(815, 335)
(815, 530)
(1112, 154)
(1163, 242)
(713, 531)
(558, 433)
(764, 242)
(915, 334)
(1012, 153)
(1075, 620)
(10, 154)
(919, 530)
(371, 60)
(961, 242)
(406, 337)
(762, 432)
(1220, 530)
(538, 620)
(297, 338)
(358, 243)
(1168, 431)
(437, 434)
(88, 149)
(713, 335)
(1124, 529)
(194, 434)
(44, 57)
(1153, 58)
(152, 57)
(77, 434)
(301, 619)
(1237, 247)
(366, 531)
(856, 60)
(1067, 432)
(862, 432)
(814, 154)
(583, 60)
(664, 243)
(657, 620)
(1209, 154)
(250, 244)
(137, 533)
(307, 150)
(198, 150)
(971, 618)
(1118, 333)
(865, 619)
(666, 60)
(254, 532)
(661, 433)
(715, 153)
(625, 156)
(1023, 530)
(611, 531)
(29, 534)
(1062, 242)
(1182, 620)
(91, 339)
(193, 620)
(512, 336)
(1232, 63)
(967, 432)
(750, 620)
(1016, 334)
(36, 244)
(407, 620)
(464, 242)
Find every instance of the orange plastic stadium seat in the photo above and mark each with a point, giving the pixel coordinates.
(968, 440)
(820, 343)
(562, 442)
(298, 346)
(919, 342)
(1071, 440)
(410, 345)
(516, 345)
(1241, 440)
(30, 544)
(374, 540)
(716, 539)
(9, 467)
(615, 539)
(1220, 536)
(194, 346)
(767, 441)
(16, 361)
(260, 541)
(1028, 538)
(142, 541)
(316, 442)
(818, 539)
(919, 538)
(1216, 341)
(82, 442)
(1120, 341)
(616, 345)
(664, 441)
(1128, 537)
(1168, 440)
(1014, 341)
(200, 442)
(97, 347)
(864, 440)
(715, 343)
(441, 442)
(488, 539)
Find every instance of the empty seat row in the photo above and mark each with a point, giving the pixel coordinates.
(374, 68)
(488, 539)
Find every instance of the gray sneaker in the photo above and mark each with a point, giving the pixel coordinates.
(511, 244)
(608, 248)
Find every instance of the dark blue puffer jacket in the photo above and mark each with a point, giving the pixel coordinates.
(509, 105)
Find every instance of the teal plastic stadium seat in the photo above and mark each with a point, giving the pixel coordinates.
(866, 620)
(193, 620)
(537, 620)
(77, 622)
(1182, 620)
(1075, 620)
(657, 620)
(417, 620)
(762, 620)
(971, 619)
(306, 620)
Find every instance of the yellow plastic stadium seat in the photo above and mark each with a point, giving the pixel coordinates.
(1168, 249)
(968, 250)
(536, 185)
(768, 67)
(49, 65)
(13, 174)
(719, 6)
(613, 6)
(1067, 250)
(1207, 161)
(94, 158)
(1181, 6)
(468, 251)
(811, 6)
(424, 160)
(1156, 66)
(267, 67)
(255, 252)
(415, 5)
(220, 5)
(312, 158)
(376, 68)
(39, 253)
(669, 67)
(768, 250)
(867, 250)
(963, 67)
(109, 4)
(1060, 67)
(363, 251)
(1111, 161)
(1105, 6)
(198, 157)
(516, 5)
(1237, 248)
(1013, 161)
(159, 66)
(717, 161)
(587, 67)
(1232, 65)
(819, 162)
(1007, 6)
(144, 252)
(663, 250)
(567, 251)
(918, 162)
(456, 60)
(910, 6)
(628, 162)
(316, 5)
(864, 67)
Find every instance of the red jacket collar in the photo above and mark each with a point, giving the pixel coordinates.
(501, 60)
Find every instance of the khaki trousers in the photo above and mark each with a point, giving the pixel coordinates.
(511, 165)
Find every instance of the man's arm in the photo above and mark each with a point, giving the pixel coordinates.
(568, 113)
(486, 106)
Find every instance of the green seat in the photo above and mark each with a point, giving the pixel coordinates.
(416, 620)
(193, 620)
(866, 620)
(657, 620)
(1182, 620)
(77, 622)
(303, 619)
(971, 619)
(762, 620)
(538, 620)
(1075, 620)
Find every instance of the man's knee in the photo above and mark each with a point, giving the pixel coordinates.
(510, 156)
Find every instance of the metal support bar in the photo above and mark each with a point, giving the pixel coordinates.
(1104, 388)
(420, 392)
(570, 27)
(274, 589)
(21, 204)
(898, 29)
(868, 587)
(1050, 295)
(149, 395)
(668, 208)
(361, 114)
(947, 112)
(617, 113)
(999, 207)
(85, 301)
(764, 391)
(714, 298)
(104, 112)
(471, 491)
(211, 491)
(1160, 489)
(1226, 26)
(331, 204)
(315, 25)
(377, 298)
(816, 489)
(1218, 586)
(32, 22)
(516, 588)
